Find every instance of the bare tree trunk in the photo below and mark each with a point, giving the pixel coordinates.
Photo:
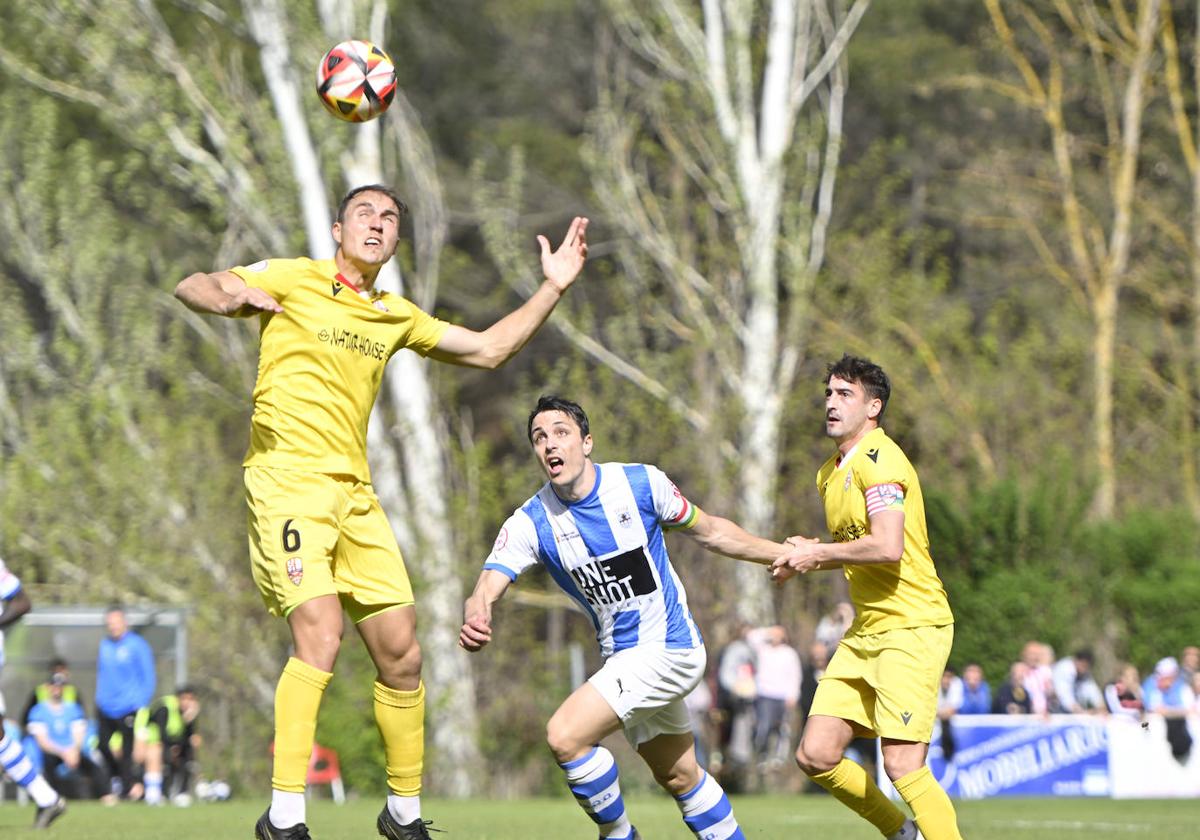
(1118, 264)
(756, 135)
(1097, 268)
(1192, 422)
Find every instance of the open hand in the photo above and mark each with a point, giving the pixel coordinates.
(561, 267)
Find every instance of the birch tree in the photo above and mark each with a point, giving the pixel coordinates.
(1091, 257)
(412, 445)
(714, 150)
(1179, 223)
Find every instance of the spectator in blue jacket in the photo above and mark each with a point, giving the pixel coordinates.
(60, 728)
(125, 683)
(977, 694)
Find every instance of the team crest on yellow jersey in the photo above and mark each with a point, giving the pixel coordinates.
(295, 570)
(849, 478)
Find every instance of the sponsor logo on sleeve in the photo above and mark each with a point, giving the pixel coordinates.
(259, 266)
(501, 540)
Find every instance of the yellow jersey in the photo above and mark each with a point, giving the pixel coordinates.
(321, 363)
(886, 596)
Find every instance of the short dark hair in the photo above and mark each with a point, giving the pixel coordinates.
(867, 374)
(379, 188)
(187, 688)
(551, 402)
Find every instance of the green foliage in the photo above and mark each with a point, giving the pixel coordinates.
(123, 417)
(1022, 562)
(347, 720)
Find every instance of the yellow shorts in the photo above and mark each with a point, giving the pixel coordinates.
(313, 534)
(886, 684)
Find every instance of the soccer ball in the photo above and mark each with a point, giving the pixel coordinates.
(356, 81)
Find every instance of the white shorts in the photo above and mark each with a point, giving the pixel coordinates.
(645, 687)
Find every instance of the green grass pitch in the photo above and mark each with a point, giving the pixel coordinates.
(765, 817)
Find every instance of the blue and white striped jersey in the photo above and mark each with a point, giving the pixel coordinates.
(9, 587)
(607, 552)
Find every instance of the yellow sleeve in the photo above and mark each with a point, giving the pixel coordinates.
(884, 465)
(426, 330)
(275, 277)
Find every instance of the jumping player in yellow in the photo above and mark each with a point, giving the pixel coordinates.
(319, 540)
(883, 678)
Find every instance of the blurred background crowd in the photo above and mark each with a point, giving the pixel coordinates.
(749, 713)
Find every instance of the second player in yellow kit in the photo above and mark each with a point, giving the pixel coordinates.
(888, 686)
(320, 542)
(883, 678)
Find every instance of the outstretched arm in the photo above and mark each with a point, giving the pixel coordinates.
(504, 339)
(726, 537)
(477, 612)
(224, 293)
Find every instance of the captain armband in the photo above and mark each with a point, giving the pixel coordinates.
(883, 497)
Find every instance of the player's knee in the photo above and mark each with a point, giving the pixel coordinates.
(563, 741)
(402, 669)
(318, 647)
(898, 766)
(814, 761)
(679, 780)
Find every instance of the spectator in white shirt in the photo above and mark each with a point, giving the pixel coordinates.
(1077, 690)
(777, 681)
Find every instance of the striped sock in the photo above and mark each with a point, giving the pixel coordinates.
(707, 812)
(593, 780)
(21, 770)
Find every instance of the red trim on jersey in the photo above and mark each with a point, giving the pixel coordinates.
(346, 283)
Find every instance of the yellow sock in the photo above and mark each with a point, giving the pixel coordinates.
(851, 786)
(400, 716)
(931, 807)
(297, 699)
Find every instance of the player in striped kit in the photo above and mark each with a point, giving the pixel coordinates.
(14, 603)
(598, 529)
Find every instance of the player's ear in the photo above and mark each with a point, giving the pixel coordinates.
(587, 446)
(874, 408)
(336, 230)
